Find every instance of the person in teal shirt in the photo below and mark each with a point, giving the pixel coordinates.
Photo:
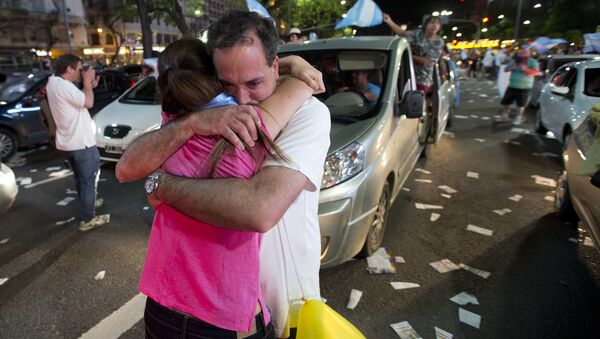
(524, 68)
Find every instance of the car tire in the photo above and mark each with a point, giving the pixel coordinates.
(563, 205)
(376, 230)
(8, 144)
(538, 125)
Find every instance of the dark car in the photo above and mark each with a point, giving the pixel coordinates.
(21, 123)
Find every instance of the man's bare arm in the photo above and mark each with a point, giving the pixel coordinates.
(254, 204)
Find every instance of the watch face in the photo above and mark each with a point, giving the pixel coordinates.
(149, 185)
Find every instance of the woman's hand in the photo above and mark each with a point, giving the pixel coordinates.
(302, 70)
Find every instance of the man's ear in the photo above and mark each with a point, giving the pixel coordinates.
(276, 67)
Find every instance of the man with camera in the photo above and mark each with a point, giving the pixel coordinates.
(524, 68)
(75, 132)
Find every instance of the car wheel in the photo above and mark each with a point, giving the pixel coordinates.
(377, 228)
(562, 199)
(8, 144)
(538, 125)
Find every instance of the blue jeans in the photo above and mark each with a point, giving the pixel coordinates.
(85, 164)
(164, 323)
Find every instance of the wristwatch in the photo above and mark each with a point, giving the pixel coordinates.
(151, 184)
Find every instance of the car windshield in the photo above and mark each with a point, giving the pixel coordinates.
(592, 82)
(144, 92)
(353, 80)
(13, 91)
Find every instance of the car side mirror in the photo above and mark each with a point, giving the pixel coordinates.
(595, 180)
(561, 90)
(412, 104)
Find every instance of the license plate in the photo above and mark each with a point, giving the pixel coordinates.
(113, 149)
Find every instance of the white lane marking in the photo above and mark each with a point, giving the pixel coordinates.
(48, 180)
(120, 320)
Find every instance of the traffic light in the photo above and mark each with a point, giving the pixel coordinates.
(485, 19)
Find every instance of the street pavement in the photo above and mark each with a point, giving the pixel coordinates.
(541, 284)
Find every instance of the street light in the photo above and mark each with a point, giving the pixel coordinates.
(99, 30)
(501, 16)
(484, 29)
(526, 22)
(436, 13)
(537, 6)
(459, 34)
(454, 28)
(343, 2)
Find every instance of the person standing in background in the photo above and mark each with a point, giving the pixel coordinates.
(524, 68)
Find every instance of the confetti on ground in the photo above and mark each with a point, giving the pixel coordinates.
(65, 201)
(355, 296)
(405, 331)
(23, 180)
(400, 285)
(546, 154)
(479, 140)
(515, 197)
(100, 275)
(474, 116)
(520, 130)
(101, 180)
(480, 230)
(424, 180)
(399, 260)
(481, 273)
(4, 241)
(458, 116)
(464, 298)
(469, 318)
(503, 211)
(380, 262)
(434, 217)
(60, 173)
(441, 334)
(406, 189)
(71, 191)
(587, 241)
(470, 101)
(422, 170)
(62, 222)
(574, 240)
(544, 181)
(447, 189)
(33, 170)
(51, 169)
(3, 280)
(447, 196)
(444, 265)
(420, 206)
(483, 95)
(549, 198)
(145, 208)
(485, 118)
(473, 175)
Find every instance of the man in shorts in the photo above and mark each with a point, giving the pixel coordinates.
(524, 68)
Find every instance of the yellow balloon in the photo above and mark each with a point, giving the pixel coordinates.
(319, 321)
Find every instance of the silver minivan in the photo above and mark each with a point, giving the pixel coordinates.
(374, 144)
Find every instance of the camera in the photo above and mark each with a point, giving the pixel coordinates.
(85, 67)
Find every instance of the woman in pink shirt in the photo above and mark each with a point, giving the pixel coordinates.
(200, 279)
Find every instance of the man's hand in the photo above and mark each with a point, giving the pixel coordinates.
(154, 203)
(89, 78)
(302, 70)
(386, 18)
(234, 123)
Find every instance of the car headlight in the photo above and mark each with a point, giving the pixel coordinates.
(343, 165)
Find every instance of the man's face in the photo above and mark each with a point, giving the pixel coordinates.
(359, 78)
(244, 73)
(433, 26)
(75, 73)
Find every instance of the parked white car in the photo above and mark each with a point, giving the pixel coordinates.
(567, 97)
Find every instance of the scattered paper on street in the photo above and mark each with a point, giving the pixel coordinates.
(145, 208)
(474, 116)
(515, 197)
(16, 162)
(459, 116)
(441, 334)
(65, 201)
(71, 191)
(101, 180)
(4, 241)
(544, 181)
(62, 222)
(470, 101)
(421, 206)
(480, 230)
(399, 260)
(424, 180)
(60, 173)
(422, 170)
(23, 180)
(444, 265)
(380, 262)
(587, 241)
(479, 140)
(517, 143)
(546, 154)
(549, 198)
(3, 280)
(574, 240)
(464, 298)
(355, 296)
(469, 318)
(447, 189)
(100, 275)
(399, 285)
(473, 175)
(434, 217)
(406, 189)
(520, 130)
(481, 273)
(405, 331)
(33, 170)
(503, 211)
(485, 118)
(483, 95)
(447, 196)
(450, 134)
(55, 168)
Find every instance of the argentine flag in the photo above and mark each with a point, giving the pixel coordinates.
(365, 13)
(592, 42)
(544, 44)
(255, 6)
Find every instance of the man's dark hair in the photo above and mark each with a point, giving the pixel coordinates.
(430, 18)
(234, 28)
(65, 61)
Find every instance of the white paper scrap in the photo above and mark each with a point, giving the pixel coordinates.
(355, 296)
(515, 197)
(480, 230)
(434, 217)
(3, 280)
(54, 168)
(517, 143)
(520, 130)
(380, 262)
(469, 318)
(23, 180)
(71, 191)
(544, 181)
(62, 222)
(447, 189)
(549, 198)
(443, 266)
(399, 260)
(484, 118)
(447, 196)
(441, 334)
(574, 240)
(450, 134)
(481, 273)
(470, 101)
(479, 140)
(474, 116)
(399, 285)
(65, 201)
(464, 298)
(473, 175)
(424, 180)
(406, 189)
(421, 206)
(458, 116)
(587, 241)
(60, 173)
(405, 331)
(503, 211)
(483, 95)
(100, 275)
(546, 154)
(422, 170)
(33, 170)
(101, 180)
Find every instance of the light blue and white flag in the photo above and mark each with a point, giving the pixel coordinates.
(592, 42)
(365, 13)
(544, 44)
(255, 6)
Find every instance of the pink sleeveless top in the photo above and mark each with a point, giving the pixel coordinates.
(206, 271)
